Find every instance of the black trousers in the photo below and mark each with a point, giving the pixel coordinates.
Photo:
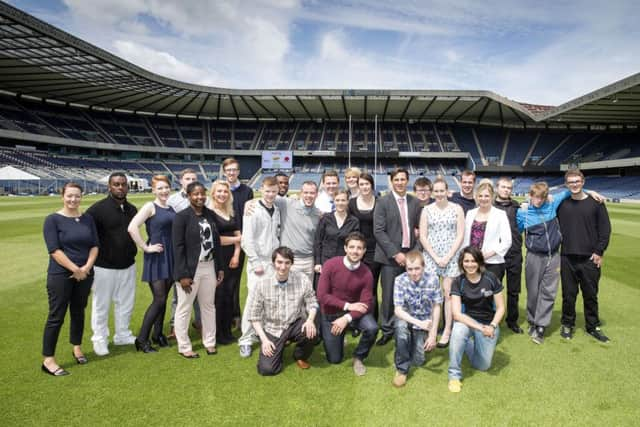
(579, 272)
(513, 268)
(225, 294)
(304, 347)
(65, 292)
(235, 278)
(375, 271)
(388, 274)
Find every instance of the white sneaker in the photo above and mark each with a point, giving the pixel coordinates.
(125, 341)
(100, 348)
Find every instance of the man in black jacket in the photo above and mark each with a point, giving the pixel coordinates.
(115, 269)
(586, 230)
(513, 258)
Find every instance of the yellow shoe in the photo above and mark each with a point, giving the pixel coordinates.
(455, 386)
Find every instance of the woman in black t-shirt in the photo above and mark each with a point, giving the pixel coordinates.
(477, 305)
(72, 243)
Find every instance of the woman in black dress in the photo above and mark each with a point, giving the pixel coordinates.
(72, 242)
(333, 229)
(362, 207)
(221, 202)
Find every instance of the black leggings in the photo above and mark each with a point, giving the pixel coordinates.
(225, 303)
(154, 316)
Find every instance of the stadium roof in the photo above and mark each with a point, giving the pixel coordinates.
(40, 61)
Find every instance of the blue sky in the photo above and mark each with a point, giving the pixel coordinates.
(544, 52)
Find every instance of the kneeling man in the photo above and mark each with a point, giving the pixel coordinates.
(282, 307)
(345, 293)
(416, 298)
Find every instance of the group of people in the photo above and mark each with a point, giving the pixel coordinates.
(313, 263)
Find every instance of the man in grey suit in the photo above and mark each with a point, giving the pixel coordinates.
(395, 217)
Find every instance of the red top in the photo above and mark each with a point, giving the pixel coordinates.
(339, 285)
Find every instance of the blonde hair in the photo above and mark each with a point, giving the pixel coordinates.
(354, 171)
(539, 189)
(485, 184)
(227, 208)
(413, 256)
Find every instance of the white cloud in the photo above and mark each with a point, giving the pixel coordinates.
(162, 63)
(545, 52)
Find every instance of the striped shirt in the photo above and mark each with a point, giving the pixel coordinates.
(278, 306)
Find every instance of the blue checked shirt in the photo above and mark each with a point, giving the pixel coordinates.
(417, 299)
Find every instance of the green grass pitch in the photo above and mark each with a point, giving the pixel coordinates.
(580, 382)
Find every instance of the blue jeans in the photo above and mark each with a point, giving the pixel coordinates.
(479, 349)
(409, 346)
(334, 344)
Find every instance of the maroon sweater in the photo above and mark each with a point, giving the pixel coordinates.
(338, 285)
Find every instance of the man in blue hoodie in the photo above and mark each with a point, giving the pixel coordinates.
(542, 234)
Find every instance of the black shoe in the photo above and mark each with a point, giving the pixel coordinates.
(57, 373)
(532, 330)
(212, 352)
(566, 332)
(355, 332)
(384, 339)
(144, 346)
(515, 328)
(161, 340)
(80, 360)
(597, 334)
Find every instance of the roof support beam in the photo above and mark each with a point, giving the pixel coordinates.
(365, 107)
(447, 109)
(344, 107)
(246, 104)
(424, 112)
(263, 107)
(177, 98)
(466, 110)
(304, 107)
(284, 108)
(484, 109)
(386, 105)
(233, 105)
(324, 107)
(406, 108)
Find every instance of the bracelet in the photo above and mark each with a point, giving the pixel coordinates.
(493, 326)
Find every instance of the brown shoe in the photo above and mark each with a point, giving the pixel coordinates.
(358, 367)
(399, 380)
(172, 335)
(303, 364)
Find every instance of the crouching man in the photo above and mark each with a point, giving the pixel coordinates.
(416, 298)
(345, 292)
(282, 307)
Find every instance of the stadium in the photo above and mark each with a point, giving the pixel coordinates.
(71, 111)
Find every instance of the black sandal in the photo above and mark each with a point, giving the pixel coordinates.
(57, 373)
(80, 360)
